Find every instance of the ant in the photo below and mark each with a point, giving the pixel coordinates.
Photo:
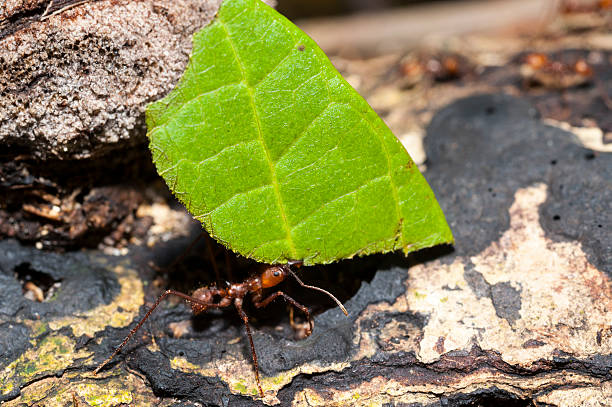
(212, 297)
(539, 69)
(439, 67)
(576, 7)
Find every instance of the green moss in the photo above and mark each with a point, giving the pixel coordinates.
(28, 369)
(241, 388)
(107, 396)
(39, 328)
(51, 354)
(419, 296)
(6, 386)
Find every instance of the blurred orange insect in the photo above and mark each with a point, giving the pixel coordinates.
(538, 69)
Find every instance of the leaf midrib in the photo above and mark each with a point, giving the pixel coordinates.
(281, 205)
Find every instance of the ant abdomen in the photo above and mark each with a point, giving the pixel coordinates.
(203, 294)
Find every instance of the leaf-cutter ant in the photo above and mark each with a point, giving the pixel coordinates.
(539, 69)
(213, 297)
(577, 7)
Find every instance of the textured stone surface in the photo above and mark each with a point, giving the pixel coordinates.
(519, 313)
(75, 85)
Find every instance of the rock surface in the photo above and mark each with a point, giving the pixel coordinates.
(518, 313)
(75, 84)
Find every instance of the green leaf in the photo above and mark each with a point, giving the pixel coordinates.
(278, 156)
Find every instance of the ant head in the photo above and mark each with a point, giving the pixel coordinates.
(273, 275)
(536, 60)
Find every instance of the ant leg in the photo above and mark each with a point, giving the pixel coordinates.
(272, 297)
(228, 266)
(186, 297)
(178, 259)
(292, 322)
(245, 319)
(211, 256)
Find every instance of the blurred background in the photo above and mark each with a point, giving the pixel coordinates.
(369, 25)
(317, 8)
(314, 8)
(411, 58)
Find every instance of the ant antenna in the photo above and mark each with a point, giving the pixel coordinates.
(321, 290)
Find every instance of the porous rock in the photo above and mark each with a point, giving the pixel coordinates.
(519, 312)
(74, 81)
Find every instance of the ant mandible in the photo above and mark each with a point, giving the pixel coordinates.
(212, 297)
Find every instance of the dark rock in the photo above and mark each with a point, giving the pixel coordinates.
(82, 286)
(483, 148)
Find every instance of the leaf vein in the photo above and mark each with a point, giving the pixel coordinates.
(302, 133)
(334, 148)
(388, 157)
(304, 219)
(224, 149)
(248, 191)
(263, 244)
(265, 147)
(273, 68)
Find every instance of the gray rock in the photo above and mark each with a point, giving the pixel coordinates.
(75, 84)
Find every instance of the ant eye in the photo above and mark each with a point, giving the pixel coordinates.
(277, 273)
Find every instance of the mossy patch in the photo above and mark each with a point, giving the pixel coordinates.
(119, 389)
(117, 314)
(53, 352)
(50, 355)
